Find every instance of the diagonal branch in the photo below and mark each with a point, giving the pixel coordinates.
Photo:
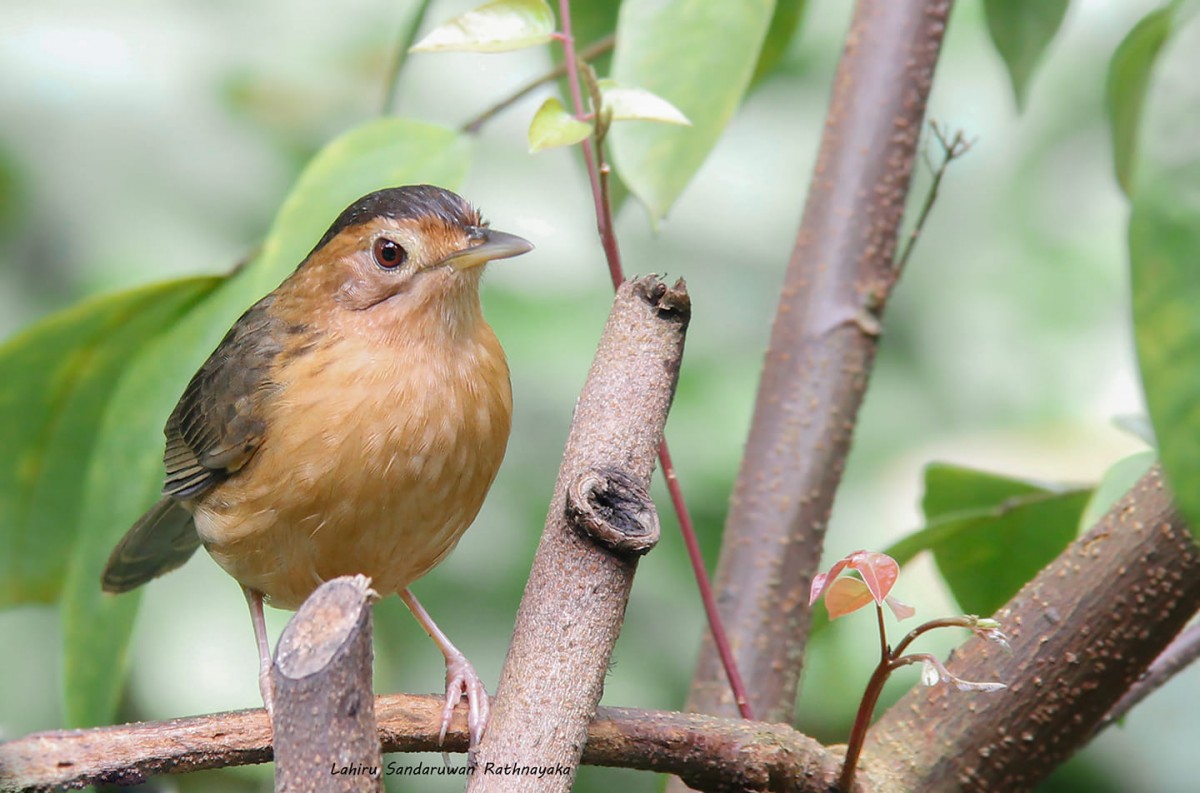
(1082, 633)
(822, 348)
(600, 521)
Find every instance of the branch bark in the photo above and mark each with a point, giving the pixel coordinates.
(821, 351)
(601, 520)
(324, 713)
(1082, 633)
(713, 753)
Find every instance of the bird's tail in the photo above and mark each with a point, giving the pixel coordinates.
(161, 540)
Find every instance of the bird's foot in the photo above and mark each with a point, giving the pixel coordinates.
(461, 680)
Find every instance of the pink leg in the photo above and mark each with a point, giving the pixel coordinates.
(255, 600)
(460, 676)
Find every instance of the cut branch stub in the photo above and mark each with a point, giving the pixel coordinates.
(613, 509)
(324, 716)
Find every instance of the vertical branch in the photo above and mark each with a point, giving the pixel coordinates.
(821, 351)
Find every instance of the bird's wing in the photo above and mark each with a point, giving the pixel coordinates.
(219, 424)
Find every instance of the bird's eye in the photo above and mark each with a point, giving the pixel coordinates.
(389, 254)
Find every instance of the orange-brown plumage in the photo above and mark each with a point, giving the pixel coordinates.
(350, 422)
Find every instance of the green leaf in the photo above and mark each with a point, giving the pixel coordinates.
(125, 471)
(638, 104)
(1115, 483)
(1128, 76)
(553, 126)
(991, 534)
(57, 378)
(499, 26)
(699, 56)
(785, 24)
(1021, 30)
(1164, 248)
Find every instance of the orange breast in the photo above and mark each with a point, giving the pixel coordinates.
(376, 459)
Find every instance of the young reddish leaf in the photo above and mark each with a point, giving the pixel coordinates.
(846, 595)
(498, 26)
(553, 126)
(822, 581)
(901, 609)
(879, 572)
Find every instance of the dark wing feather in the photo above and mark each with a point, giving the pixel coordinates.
(218, 424)
(213, 431)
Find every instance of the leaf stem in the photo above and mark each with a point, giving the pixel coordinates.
(944, 622)
(598, 173)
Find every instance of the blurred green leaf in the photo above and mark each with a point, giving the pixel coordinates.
(553, 126)
(126, 468)
(990, 534)
(697, 55)
(785, 23)
(498, 26)
(1115, 483)
(57, 378)
(1021, 30)
(1128, 75)
(1164, 249)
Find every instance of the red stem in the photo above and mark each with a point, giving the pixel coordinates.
(593, 157)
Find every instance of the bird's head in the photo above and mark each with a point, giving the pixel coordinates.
(404, 249)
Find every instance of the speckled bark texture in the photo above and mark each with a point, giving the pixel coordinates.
(1081, 632)
(574, 602)
(324, 719)
(821, 352)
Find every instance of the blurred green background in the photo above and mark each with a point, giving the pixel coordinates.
(148, 140)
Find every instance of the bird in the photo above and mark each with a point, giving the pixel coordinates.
(350, 422)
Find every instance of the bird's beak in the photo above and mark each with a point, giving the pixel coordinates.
(495, 245)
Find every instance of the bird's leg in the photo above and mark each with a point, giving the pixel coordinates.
(255, 600)
(460, 676)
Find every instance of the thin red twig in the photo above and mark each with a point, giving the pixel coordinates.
(597, 176)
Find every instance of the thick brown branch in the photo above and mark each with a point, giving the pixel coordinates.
(714, 753)
(600, 521)
(821, 352)
(1081, 632)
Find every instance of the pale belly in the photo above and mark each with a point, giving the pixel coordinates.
(373, 472)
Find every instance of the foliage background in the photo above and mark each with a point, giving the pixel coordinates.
(155, 139)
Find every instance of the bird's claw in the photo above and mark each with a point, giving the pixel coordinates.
(461, 680)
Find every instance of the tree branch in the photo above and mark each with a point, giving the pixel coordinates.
(712, 753)
(821, 351)
(1081, 633)
(1179, 655)
(601, 520)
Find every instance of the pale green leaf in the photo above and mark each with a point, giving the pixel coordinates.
(637, 104)
(499, 26)
(699, 56)
(125, 470)
(553, 126)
